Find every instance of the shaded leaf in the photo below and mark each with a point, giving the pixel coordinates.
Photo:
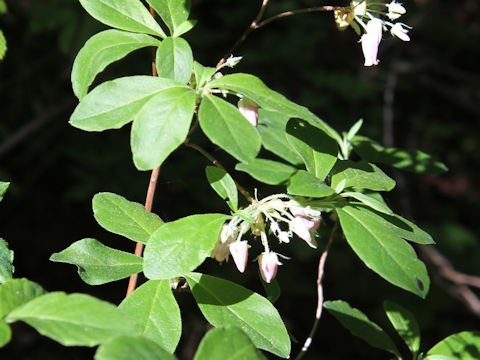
(225, 303)
(127, 218)
(223, 185)
(369, 201)
(101, 50)
(155, 313)
(227, 343)
(132, 348)
(128, 15)
(267, 171)
(464, 345)
(382, 250)
(202, 73)
(6, 261)
(98, 264)
(359, 325)
(161, 126)
(174, 60)
(184, 27)
(73, 320)
(16, 292)
(318, 150)
(226, 127)
(303, 183)
(361, 175)
(180, 246)
(115, 103)
(3, 188)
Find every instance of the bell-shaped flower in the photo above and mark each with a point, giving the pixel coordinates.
(297, 211)
(359, 7)
(395, 10)
(268, 263)
(400, 31)
(371, 40)
(299, 227)
(239, 251)
(249, 110)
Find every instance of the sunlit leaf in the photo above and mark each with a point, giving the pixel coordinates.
(267, 171)
(132, 348)
(174, 60)
(223, 185)
(464, 345)
(16, 292)
(6, 261)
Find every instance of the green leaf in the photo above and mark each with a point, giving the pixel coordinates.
(180, 246)
(227, 343)
(98, 264)
(6, 261)
(155, 312)
(3, 188)
(226, 127)
(174, 60)
(361, 175)
(267, 171)
(406, 325)
(438, 357)
(132, 348)
(406, 159)
(225, 303)
(271, 126)
(303, 183)
(369, 201)
(127, 218)
(382, 250)
(5, 333)
(16, 292)
(202, 73)
(223, 185)
(128, 15)
(3, 45)
(318, 150)
(184, 27)
(354, 129)
(464, 345)
(254, 89)
(173, 12)
(100, 51)
(359, 325)
(161, 126)
(3, 7)
(115, 103)
(73, 320)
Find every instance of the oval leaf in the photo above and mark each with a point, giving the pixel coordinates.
(98, 264)
(155, 312)
(405, 324)
(267, 171)
(306, 184)
(226, 127)
(464, 345)
(382, 250)
(361, 175)
(115, 103)
(16, 292)
(225, 303)
(132, 348)
(178, 247)
(227, 343)
(175, 60)
(223, 185)
(318, 150)
(173, 12)
(161, 126)
(100, 51)
(73, 320)
(127, 218)
(128, 15)
(359, 325)
(369, 201)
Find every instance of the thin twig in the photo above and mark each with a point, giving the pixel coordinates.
(215, 162)
(297, 12)
(318, 312)
(152, 185)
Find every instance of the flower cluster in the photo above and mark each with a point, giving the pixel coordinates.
(374, 18)
(278, 214)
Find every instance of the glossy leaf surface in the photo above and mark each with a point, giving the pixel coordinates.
(174, 60)
(267, 171)
(464, 345)
(173, 12)
(303, 183)
(361, 175)
(132, 348)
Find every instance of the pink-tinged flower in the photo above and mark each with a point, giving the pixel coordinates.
(371, 40)
(221, 250)
(313, 223)
(268, 263)
(297, 211)
(249, 110)
(239, 251)
(299, 227)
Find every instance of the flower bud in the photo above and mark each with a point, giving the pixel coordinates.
(399, 31)
(268, 263)
(359, 7)
(239, 251)
(395, 10)
(249, 110)
(299, 227)
(371, 40)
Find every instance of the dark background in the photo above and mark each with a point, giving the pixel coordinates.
(423, 94)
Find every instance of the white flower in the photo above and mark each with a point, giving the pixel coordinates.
(400, 31)
(249, 110)
(359, 7)
(395, 10)
(283, 237)
(371, 40)
(268, 262)
(239, 252)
